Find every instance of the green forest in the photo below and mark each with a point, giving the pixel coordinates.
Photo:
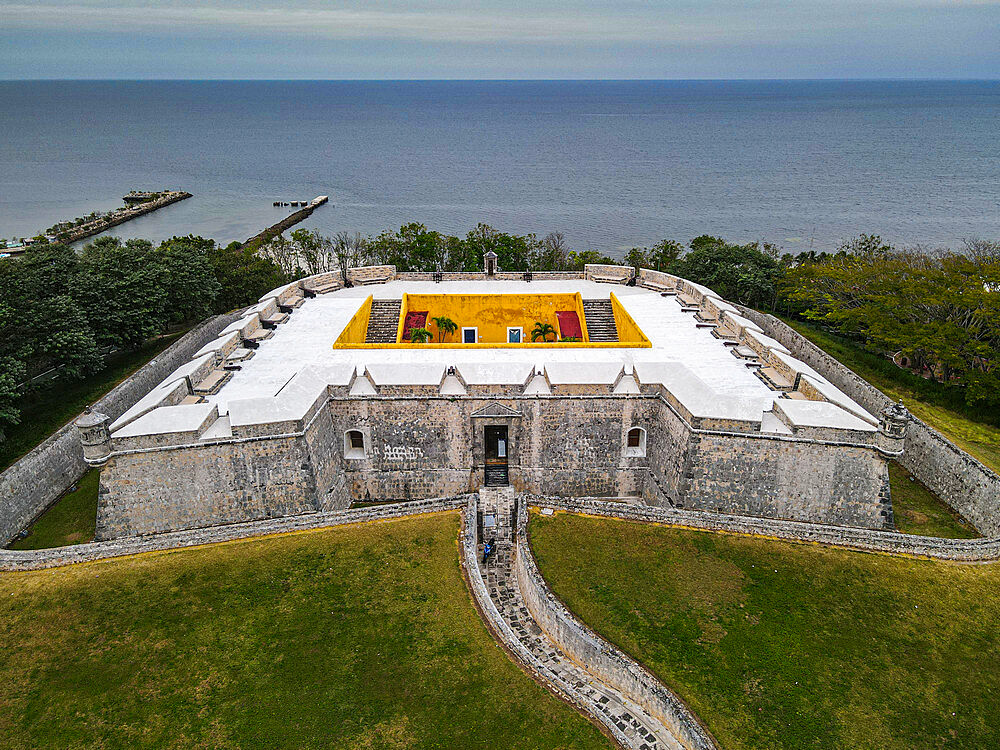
(62, 311)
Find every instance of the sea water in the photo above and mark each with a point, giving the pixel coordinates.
(611, 164)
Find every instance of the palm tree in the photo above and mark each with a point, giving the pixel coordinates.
(446, 326)
(542, 331)
(420, 335)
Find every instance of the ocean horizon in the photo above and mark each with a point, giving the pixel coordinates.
(802, 163)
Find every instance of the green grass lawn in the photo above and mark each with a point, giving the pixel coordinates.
(939, 405)
(356, 637)
(46, 410)
(781, 645)
(917, 510)
(72, 519)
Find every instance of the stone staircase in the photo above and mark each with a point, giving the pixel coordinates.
(600, 320)
(640, 730)
(383, 321)
(632, 725)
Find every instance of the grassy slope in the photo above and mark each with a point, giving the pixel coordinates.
(917, 510)
(778, 645)
(72, 519)
(358, 637)
(927, 400)
(44, 412)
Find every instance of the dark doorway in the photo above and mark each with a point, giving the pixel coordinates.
(497, 450)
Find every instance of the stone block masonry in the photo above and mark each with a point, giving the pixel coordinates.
(985, 550)
(32, 484)
(305, 426)
(960, 480)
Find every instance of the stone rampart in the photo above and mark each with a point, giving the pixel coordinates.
(20, 560)
(29, 486)
(960, 480)
(602, 659)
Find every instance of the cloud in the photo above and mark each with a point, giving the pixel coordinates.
(487, 38)
(542, 25)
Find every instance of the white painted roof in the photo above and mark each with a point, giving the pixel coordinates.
(583, 373)
(699, 398)
(820, 414)
(834, 394)
(796, 365)
(218, 344)
(697, 367)
(186, 418)
(238, 325)
(278, 292)
(219, 430)
(766, 341)
(151, 401)
(741, 322)
(495, 373)
(187, 369)
(412, 373)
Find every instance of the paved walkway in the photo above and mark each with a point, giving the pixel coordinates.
(636, 728)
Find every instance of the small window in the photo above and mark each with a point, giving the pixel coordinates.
(354, 444)
(470, 335)
(514, 335)
(635, 442)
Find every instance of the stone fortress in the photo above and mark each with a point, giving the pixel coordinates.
(648, 389)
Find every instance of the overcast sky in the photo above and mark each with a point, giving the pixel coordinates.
(492, 39)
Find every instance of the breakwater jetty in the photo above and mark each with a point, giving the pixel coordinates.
(289, 221)
(136, 204)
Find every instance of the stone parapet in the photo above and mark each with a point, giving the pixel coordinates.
(607, 273)
(21, 560)
(371, 274)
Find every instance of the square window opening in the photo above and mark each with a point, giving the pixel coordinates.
(354, 444)
(635, 443)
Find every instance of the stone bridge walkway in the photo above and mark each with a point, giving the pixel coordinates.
(635, 727)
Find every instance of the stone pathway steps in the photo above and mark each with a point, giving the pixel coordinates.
(600, 318)
(383, 321)
(568, 677)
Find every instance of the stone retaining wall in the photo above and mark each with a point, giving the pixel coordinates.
(584, 646)
(960, 480)
(29, 486)
(20, 560)
(866, 540)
